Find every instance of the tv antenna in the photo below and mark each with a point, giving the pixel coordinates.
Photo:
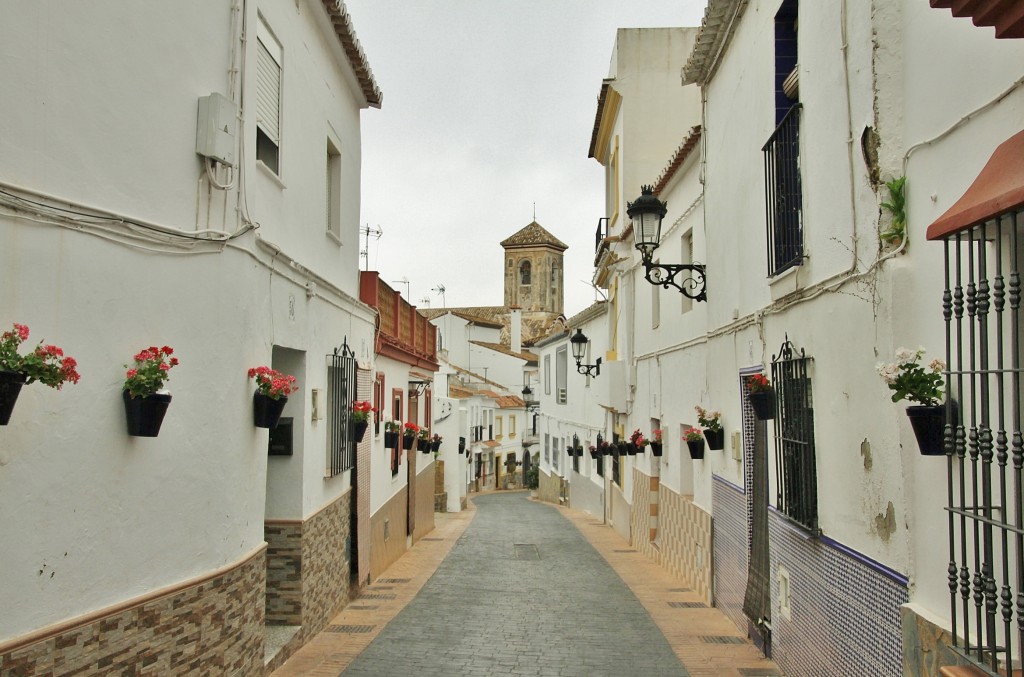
(440, 290)
(364, 253)
(404, 281)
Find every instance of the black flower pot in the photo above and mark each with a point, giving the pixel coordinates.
(422, 445)
(266, 411)
(656, 448)
(435, 446)
(595, 454)
(763, 404)
(696, 449)
(715, 438)
(359, 430)
(10, 386)
(631, 449)
(641, 448)
(145, 414)
(408, 441)
(929, 424)
(390, 439)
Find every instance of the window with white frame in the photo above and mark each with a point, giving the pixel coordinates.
(547, 374)
(269, 59)
(561, 375)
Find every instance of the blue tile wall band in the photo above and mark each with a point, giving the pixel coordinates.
(845, 607)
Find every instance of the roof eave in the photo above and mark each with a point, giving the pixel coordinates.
(716, 32)
(346, 34)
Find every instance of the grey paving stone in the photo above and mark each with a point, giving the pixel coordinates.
(558, 611)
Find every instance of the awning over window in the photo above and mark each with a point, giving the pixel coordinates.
(998, 189)
(1006, 15)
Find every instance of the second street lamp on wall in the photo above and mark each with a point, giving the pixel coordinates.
(579, 343)
(646, 213)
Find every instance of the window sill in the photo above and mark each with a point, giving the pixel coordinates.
(331, 236)
(271, 175)
(785, 283)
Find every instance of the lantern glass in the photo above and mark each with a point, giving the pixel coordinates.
(579, 345)
(648, 226)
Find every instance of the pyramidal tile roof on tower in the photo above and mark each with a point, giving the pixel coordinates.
(533, 234)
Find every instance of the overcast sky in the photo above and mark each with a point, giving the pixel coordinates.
(488, 108)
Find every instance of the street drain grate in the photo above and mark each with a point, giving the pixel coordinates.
(680, 590)
(758, 672)
(377, 596)
(375, 588)
(687, 605)
(526, 551)
(362, 607)
(624, 551)
(431, 538)
(393, 580)
(722, 639)
(350, 629)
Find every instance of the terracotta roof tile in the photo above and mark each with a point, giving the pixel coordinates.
(678, 158)
(533, 234)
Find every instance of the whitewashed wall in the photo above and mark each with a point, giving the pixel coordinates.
(952, 69)
(113, 517)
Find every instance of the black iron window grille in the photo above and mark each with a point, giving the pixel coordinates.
(341, 391)
(397, 404)
(396, 458)
(575, 453)
(556, 452)
(783, 199)
(616, 462)
(795, 465)
(601, 234)
(984, 442)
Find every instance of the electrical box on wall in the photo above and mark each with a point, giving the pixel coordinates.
(317, 397)
(217, 128)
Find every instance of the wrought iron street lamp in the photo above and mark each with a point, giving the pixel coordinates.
(646, 213)
(580, 342)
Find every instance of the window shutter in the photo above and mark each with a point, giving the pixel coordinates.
(268, 84)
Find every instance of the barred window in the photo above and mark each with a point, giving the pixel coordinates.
(795, 464)
(341, 390)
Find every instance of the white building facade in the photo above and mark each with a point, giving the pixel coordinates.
(121, 231)
(776, 186)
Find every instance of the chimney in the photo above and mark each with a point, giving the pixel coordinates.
(516, 330)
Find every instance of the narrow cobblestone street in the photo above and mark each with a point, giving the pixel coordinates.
(525, 588)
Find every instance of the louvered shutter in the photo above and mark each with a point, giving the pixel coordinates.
(268, 84)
